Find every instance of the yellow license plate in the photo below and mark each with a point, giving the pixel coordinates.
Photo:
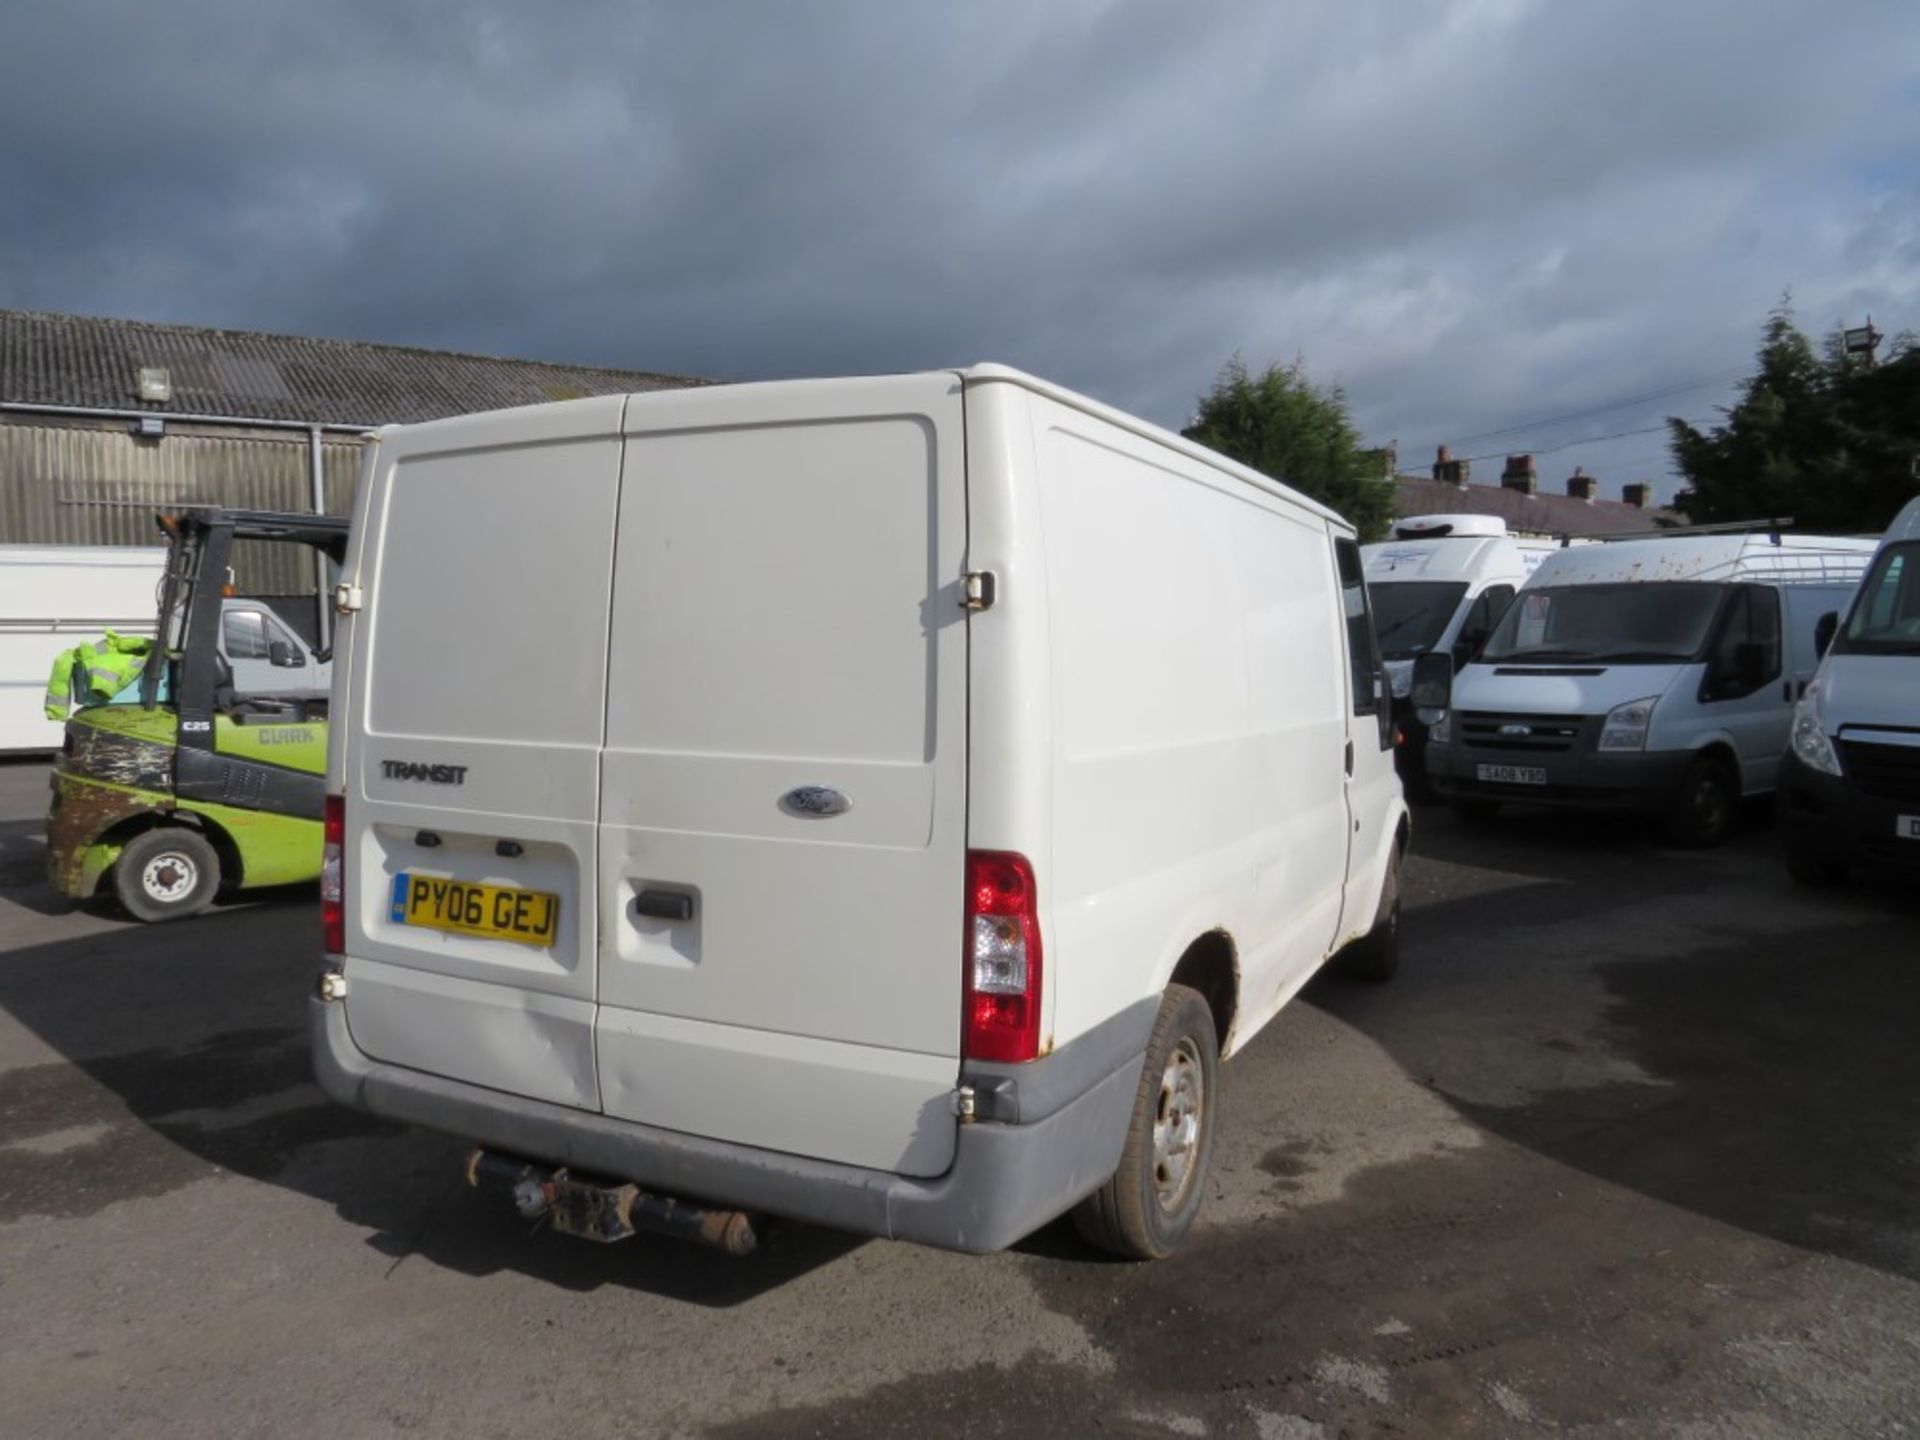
(465, 907)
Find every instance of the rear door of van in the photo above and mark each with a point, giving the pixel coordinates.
(783, 796)
(472, 764)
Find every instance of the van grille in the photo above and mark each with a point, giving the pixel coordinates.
(1523, 734)
(1892, 771)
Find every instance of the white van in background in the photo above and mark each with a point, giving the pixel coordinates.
(1441, 583)
(1850, 782)
(1654, 674)
(872, 801)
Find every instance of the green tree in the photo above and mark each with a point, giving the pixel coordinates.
(1280, 423)
(1814, 435)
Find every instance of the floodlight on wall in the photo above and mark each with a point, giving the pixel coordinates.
(156, 385)
(150, 427)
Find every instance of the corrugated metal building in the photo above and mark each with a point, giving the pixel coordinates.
(104, 422)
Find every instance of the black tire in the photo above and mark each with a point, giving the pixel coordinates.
(1707, 804)
(166, 874)
(1474, 812)
(1147, 1206)
(1812, 868)
(1375, 956)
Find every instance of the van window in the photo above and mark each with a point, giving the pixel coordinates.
(1488, 606)
(1887, 619)
(1410, 615)
(1628, 623)
(245, 633)
(1752, 619)
(1362, 653)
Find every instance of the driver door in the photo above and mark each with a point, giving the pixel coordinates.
(1744, 691)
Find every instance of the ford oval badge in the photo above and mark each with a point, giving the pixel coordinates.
(815, 802)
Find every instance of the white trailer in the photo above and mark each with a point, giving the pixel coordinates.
(53, 597)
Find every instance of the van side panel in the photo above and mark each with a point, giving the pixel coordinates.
(1198, 723)
(786, 614)
(477, 687)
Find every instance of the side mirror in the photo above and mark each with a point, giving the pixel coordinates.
(1432, 690)
(1824, 629)
(1466, 646)
(281, 655)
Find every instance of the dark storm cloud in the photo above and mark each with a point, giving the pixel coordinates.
(1469, 214)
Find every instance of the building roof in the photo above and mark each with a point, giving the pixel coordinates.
(1537, 514)
(85, 360)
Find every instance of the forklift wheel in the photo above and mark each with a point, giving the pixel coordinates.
(166, 873)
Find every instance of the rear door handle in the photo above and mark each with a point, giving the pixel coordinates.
(664, 904)
(1349, 757)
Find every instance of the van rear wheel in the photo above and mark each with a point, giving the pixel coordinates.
(1148, 1205)
(166, 873)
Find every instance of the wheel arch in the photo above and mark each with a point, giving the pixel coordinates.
(1719, 746)
(214, 833)
(1210, 964)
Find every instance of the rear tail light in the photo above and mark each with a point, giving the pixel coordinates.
(333, 880)
(1003, 959)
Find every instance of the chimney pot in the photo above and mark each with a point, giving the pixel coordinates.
(1582, 486)
(1520, 475)
(1449, 471)
(1638, 494)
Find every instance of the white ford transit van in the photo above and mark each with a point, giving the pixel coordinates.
(875, 802)
(1442, 583)
(1850, 782)
(1654, 674)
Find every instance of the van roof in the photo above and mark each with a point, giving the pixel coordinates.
(973, 374)
(1804, 559)
(983, 373)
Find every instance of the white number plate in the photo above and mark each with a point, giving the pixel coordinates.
(1512, 774)
(1907, 827)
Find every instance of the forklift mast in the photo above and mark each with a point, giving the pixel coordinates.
(193, 595)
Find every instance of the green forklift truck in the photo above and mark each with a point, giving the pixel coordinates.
(187, 784)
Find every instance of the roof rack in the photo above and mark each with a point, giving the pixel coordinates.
(1774, 524)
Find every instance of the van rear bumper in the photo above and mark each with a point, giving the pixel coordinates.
(1006, 1180)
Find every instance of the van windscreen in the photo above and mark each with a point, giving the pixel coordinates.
(1637, 622)
(1886, 617)
(1409, 616)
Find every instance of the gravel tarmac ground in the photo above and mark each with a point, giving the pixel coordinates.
(1631, 1147)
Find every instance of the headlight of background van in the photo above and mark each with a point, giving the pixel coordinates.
(1441, 731)
(1809, 740)
(1626, 727)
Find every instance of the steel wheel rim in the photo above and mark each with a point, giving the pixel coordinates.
(1709, 804)
(169, 876)
(1177, 1123)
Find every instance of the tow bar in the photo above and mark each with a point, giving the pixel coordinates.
(606, 1213)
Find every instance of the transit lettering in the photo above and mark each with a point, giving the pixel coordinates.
(420, 770)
